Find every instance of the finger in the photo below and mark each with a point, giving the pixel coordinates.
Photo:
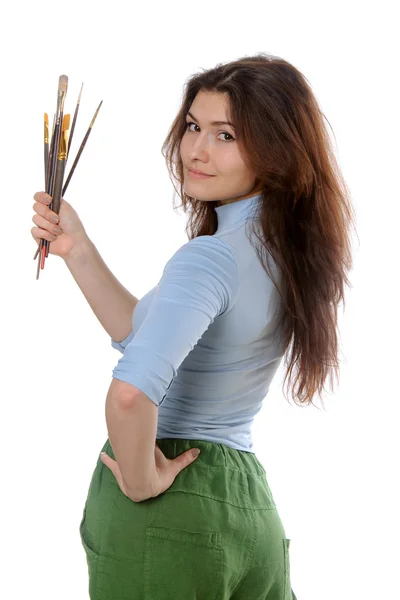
(39, 234)
(114, 468)
(44, 224)
(193, 453)
(42, 197)
(109, 462)
(185, 459)
(45, 212)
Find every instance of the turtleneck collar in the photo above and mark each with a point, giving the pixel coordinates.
(236, 212)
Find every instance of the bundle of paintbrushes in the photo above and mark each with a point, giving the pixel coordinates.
(56, 155)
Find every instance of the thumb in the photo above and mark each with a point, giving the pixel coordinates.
(188, 457)
(184, 460)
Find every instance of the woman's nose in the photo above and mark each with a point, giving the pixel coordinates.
(198, 153)
(201, 146)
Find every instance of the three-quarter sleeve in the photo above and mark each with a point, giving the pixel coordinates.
(123, 344)
(198, 284)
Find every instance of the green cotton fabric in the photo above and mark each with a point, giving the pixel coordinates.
(215, 534)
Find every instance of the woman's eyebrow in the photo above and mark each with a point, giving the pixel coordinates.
(214, 123)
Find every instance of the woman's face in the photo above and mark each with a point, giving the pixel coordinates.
(214, 150)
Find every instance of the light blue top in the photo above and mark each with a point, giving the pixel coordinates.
(203, 346)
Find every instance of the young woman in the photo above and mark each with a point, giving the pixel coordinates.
(261, 277)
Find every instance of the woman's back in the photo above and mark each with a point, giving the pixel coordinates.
(208, 387)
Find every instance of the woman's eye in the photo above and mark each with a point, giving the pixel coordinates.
(222, 132)
(226, 133)
(189, 124)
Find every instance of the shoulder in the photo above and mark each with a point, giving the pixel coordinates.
(206, 251)
(206, 265)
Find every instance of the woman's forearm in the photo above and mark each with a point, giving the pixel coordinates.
(110, 301)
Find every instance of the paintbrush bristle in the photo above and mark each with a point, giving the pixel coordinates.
(95, 115)
(63, 83)
(65, 123)
(46, 118)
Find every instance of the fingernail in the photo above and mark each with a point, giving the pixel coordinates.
(195, 452)
(54, 218)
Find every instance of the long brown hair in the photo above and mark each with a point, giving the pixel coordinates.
(305, 211)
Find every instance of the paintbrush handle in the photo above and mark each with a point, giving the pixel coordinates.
(58, 186)
(76, 161)
(57, 193)
(46, 161)
(52, 179)
(81, 148)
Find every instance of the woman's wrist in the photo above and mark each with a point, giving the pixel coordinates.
(81, 248)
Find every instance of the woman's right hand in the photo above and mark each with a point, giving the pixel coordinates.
(64, 235)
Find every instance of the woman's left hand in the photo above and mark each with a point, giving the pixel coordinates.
(166, 471)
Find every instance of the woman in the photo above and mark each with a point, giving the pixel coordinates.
(199, 351)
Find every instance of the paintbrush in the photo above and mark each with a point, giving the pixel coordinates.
(50, 157)
(81, 150)
(60, 168)
(47, 162)
(49, 180)
(46, 145)
(61, 160)
(62, 92)
(75, 161)
(74, 120)
(54, 148)
(54, 151)
(69, 146)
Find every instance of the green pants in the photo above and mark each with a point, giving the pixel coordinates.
(215, 534)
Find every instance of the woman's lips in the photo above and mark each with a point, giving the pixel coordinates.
(198, 175)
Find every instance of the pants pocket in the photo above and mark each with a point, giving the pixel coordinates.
(180, 565)
(92, 558)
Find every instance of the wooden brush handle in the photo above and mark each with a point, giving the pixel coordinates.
(58, 186)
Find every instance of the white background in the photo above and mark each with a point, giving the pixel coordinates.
(333, 473)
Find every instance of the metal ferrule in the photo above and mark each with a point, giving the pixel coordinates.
(62, 155)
